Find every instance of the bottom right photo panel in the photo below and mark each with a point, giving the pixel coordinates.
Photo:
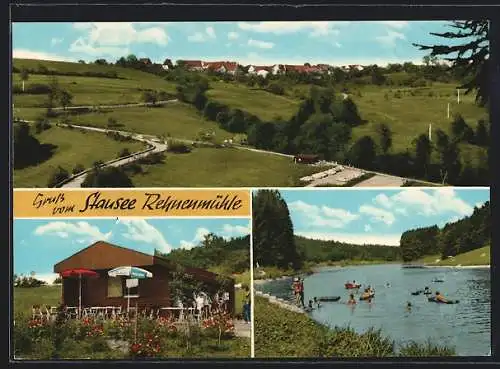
(366, 273)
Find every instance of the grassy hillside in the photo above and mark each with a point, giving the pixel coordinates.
(72, 147)
(479, 256)
(263, 104)
(411, 114)
(175, 119)
(229, 167)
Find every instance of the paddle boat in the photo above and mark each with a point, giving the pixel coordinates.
(329, 298)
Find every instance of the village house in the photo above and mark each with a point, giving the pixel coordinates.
(221, 67)
(167, 64)
(192, 65)
(261, 71)
(277, 69)
(105, 291)
(356, 67)
(146, 61)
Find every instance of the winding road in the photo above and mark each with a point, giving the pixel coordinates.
(155, 145)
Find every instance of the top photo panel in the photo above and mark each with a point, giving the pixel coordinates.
(250, 104)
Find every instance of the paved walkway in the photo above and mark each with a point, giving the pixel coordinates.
(114, 106)
(242, 329)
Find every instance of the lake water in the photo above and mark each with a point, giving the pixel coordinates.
(466, 326)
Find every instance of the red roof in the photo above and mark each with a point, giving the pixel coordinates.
(193, 63)
(302, 68)
(229, 66)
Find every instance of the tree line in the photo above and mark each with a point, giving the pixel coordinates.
(274, 242)
(229, 256)
(454, 238)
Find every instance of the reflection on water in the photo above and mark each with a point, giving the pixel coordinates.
(465, 326)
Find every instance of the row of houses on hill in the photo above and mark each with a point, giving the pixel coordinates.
(233, 68)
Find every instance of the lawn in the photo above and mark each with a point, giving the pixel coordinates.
(73, 147)
(479, 256)
(263, 104)
(226, 167)
(175, 119)
(24, 298)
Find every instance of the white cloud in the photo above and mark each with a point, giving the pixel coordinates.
(83, 47)
(49, 278)
(337, 44)
(368, 228)
(209, 34)
(316, 28)
(260, 44)
(378, 215)
(113, 38)
(232, 35)
(197, 37)
(38, 55)
(56, 41)
(198, 237)
(389, 39)
(83, 230)
(140, 230)
(356, 239)
(479, 204)
(323, 216)
(394, 24)
(229, 231)
(439, 201)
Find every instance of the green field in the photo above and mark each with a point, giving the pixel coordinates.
(175, 119)
(263, 104)
(73, 147)
(90, 90)
(226, 167)
(410, 116)
(479, 256)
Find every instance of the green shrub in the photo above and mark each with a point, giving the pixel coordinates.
(414, 349)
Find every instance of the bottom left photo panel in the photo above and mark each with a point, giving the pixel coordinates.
(131, 288)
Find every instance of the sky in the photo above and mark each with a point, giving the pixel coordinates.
(375, 216)
(261, 43)
(39, 244)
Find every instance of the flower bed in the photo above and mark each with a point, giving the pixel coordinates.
(121, 338)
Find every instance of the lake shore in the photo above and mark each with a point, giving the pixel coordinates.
(458, 266)
(272, 274)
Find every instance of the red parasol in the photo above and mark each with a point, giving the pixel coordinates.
(79, 272)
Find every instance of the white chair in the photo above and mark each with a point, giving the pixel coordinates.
(36, 312)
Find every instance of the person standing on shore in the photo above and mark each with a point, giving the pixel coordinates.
(301, 292)
(247, 306)
(296, 290)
